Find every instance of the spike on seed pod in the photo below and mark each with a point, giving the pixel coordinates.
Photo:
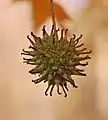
(55, 59)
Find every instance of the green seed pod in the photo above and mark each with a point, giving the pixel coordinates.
(55, 59)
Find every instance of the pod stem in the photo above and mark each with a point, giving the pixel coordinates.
(53, 19)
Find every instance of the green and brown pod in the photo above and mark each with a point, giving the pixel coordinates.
(56, 59)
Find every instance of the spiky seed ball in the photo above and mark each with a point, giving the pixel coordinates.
(56, 60)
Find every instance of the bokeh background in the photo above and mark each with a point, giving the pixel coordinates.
(22, 100)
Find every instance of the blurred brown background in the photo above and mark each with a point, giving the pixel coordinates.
(22, 100)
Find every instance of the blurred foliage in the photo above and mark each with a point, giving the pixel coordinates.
(41, 11)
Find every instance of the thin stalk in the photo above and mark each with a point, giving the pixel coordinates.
(53, 19)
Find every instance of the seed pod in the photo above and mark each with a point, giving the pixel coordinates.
(55, 59)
